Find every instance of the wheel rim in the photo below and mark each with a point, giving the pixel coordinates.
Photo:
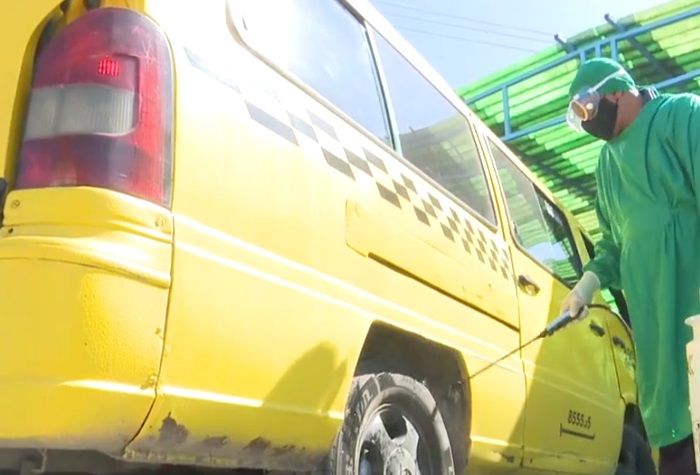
(392, 443)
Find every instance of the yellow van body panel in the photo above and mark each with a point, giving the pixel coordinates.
(225, 330)
(85, 276)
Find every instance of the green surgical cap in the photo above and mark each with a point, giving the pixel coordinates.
(595, 70)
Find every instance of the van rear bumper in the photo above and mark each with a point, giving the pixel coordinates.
(81, 339)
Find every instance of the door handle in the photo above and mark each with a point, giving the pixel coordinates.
(528, 285)
(617, 341)
(597, 329)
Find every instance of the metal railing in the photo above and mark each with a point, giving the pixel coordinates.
(581, 54)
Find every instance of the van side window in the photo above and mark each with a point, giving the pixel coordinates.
(434, 135)
(540, 226)
(327, 48)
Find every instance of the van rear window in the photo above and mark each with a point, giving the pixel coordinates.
(325, 47)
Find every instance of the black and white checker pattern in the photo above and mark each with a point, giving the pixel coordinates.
(303, 128)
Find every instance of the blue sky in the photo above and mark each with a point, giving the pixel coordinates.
(465, 42)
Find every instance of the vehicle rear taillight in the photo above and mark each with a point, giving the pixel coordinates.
(101, 108)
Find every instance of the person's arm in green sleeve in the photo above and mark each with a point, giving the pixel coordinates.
(601, 271)
(606, 262)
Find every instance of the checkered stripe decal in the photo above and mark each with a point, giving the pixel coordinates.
(304, 128)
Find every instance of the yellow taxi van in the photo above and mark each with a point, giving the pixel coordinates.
(266, 235)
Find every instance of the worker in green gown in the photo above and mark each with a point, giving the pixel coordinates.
(648, 207)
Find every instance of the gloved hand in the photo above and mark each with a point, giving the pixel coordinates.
(581, 295)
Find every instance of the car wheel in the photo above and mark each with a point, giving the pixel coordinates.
(392, 426)
(635, 454)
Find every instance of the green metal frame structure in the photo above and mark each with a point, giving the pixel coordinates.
(525, 104)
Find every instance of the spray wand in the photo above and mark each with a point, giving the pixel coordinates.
(550, 330)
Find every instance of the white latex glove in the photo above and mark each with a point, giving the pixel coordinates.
(581, 295)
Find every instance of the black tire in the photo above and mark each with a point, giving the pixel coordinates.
(635, 454)
(390, 418)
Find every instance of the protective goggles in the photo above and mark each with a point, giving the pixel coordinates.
(584, 105)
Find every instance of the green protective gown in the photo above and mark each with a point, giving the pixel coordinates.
(648, 206)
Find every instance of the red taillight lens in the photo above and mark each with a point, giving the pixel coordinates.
(101, 111)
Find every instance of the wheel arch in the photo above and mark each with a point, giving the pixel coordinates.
(388, 348)
(633, 420)
(633, 417)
